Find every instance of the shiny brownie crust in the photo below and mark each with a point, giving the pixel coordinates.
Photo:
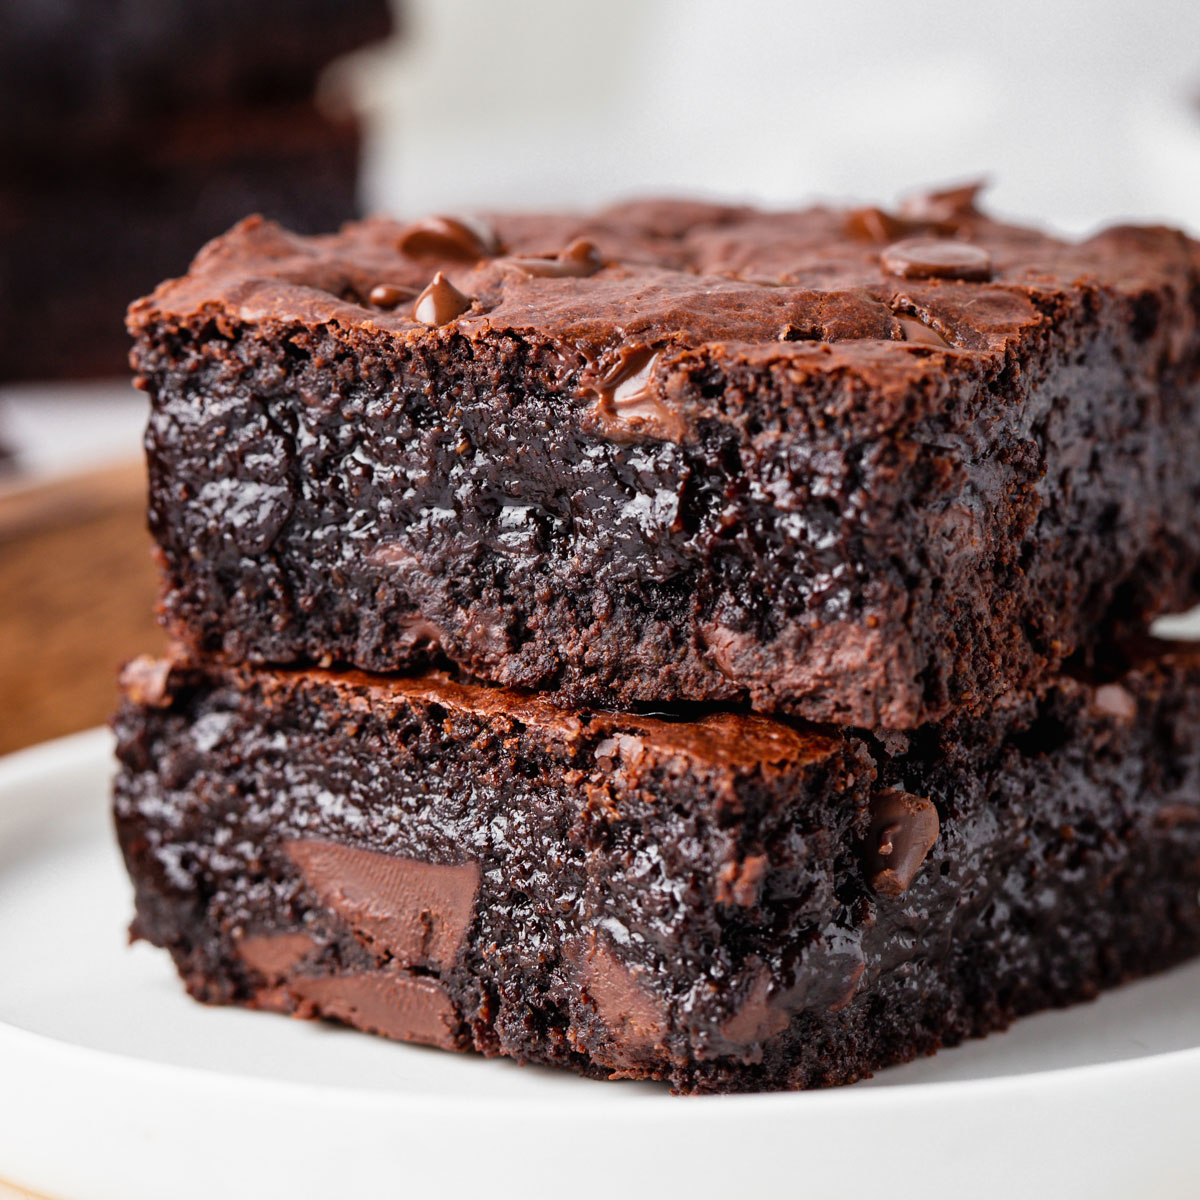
(725, 902)
(675, 451)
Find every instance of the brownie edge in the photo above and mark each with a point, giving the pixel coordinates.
(731, 903)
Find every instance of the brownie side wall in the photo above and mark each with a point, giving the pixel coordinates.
(643, 915)
(320, 495)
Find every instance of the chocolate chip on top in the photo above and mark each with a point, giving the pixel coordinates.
(466, 239)
(440, 302)
(578, 260)
(937, 258)
(388, 295)
(950, 204)
(875, 225)
(903, 830)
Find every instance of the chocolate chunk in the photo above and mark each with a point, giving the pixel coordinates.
(440, 302)
(578, 260)
(388, 295)
(936, 258)
(904, 829)
(756, 1018)
(274, 955)
(919, 333)
(146, 681)
(409, 1008)
(418, 913)
(631, 1014)
(463, 238)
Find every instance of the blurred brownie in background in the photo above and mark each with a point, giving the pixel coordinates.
(136, 130)
(82, 75)
(78, 241)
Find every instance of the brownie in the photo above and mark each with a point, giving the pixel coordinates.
(80, 77)
(726, 902)
(859, 466)
(77, 242)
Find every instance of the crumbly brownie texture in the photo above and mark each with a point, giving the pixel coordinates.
(80, 78)
(76, 243)
(863, 467)
(726, 903)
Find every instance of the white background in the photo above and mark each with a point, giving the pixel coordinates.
(1079, 111)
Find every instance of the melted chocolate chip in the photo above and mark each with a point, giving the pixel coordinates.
(919, 333)
(626, 406)
(627, 385)
(466, 239)
(388, 295)
(936, 258)
(440, 302)
(415, 912)
(578, 260)
(903, 830)
(410, 1008)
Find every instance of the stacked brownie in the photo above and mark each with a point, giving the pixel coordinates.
(134, 130)
(686, 642)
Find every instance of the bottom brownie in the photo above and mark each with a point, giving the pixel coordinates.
(724, 902)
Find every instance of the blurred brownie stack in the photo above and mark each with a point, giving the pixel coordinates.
(685, 642)
(135, 130)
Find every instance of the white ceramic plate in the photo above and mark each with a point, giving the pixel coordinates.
(114, 1086)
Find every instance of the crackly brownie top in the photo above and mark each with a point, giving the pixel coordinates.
(633, 288)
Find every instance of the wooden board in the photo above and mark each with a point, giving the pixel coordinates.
(77, 593)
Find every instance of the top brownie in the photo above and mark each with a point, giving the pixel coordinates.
(862, 466)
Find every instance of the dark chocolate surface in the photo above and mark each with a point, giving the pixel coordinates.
(728, 903)
(866, 467)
